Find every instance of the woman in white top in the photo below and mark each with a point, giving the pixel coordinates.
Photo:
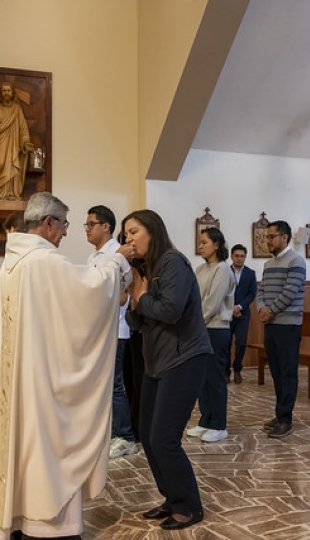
(216, 283)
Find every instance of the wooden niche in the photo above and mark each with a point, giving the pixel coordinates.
(34, 95)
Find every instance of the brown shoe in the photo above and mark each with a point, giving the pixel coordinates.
(271, 424)
(280, 431)
(237, 377)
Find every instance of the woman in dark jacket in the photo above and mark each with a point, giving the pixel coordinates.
(166, 307)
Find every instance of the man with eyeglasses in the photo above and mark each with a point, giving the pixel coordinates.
(280, 300)
(59, 327)
(245, 292)
(100, 226)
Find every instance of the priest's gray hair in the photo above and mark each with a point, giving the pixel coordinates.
(41, 205)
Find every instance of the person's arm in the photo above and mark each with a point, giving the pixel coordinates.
(116, 259)
(294, 282)
(168, 292)
(264, 312)
(260, 297)
(219, 288)
(251, 292)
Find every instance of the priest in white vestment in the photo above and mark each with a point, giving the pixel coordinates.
(59, 325)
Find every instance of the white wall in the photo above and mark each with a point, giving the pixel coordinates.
(236, 188)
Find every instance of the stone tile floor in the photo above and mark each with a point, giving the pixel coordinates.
(252, 487)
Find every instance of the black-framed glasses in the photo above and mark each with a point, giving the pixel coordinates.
(64, 222)
(272, 236)
(91, 224)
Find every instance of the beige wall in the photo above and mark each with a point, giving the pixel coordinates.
(116, 65)
(167, 29)
(90, 46)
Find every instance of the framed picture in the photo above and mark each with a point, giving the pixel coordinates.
(259, 238)
(29, 95)
(308, 244)
(204, 222)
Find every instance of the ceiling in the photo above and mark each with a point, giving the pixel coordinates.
(261, 102)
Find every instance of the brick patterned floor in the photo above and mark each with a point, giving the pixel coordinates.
(252, 487)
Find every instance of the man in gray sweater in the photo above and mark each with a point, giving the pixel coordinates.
(280, 301)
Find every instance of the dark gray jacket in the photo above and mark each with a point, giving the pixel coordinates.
(169, 316)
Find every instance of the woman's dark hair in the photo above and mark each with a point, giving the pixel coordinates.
(159, 241)
(218, 238)
(16, 220)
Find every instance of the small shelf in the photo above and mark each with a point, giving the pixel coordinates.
(36, 171)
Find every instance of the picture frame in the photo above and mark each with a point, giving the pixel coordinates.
(259, 238)
(307, 246)
(204, 222)
(34, 93)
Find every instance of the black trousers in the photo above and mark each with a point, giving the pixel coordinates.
(282, 343)
(166, 406)
(133, 369)
(239, 328)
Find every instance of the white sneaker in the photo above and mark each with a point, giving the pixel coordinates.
(120, 447)
(213, 435)
(196, 431)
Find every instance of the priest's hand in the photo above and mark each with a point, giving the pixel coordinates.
(127, 251)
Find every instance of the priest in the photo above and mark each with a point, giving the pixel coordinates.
(59, 326)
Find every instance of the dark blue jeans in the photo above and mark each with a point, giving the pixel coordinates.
(121, 426)
(213, 396)
(282, 342)
(239, 327)
(166, 406)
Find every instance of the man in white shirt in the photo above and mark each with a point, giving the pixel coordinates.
(100, 226)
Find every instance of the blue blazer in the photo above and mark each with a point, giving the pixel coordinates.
(245, 291)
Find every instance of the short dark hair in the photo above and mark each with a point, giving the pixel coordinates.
(217, 237)
(237, 247)
(104, 215)
(282, 227)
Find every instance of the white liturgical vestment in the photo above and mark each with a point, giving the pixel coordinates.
(59, 333)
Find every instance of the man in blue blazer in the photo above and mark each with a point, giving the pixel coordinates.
(245, 293)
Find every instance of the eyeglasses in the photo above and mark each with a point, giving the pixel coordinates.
(65, 223)
(272, 236)
(91, 224)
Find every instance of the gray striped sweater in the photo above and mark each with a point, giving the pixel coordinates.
(283, 288)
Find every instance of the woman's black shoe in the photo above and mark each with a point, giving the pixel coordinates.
(157, 513)
(172, 524)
